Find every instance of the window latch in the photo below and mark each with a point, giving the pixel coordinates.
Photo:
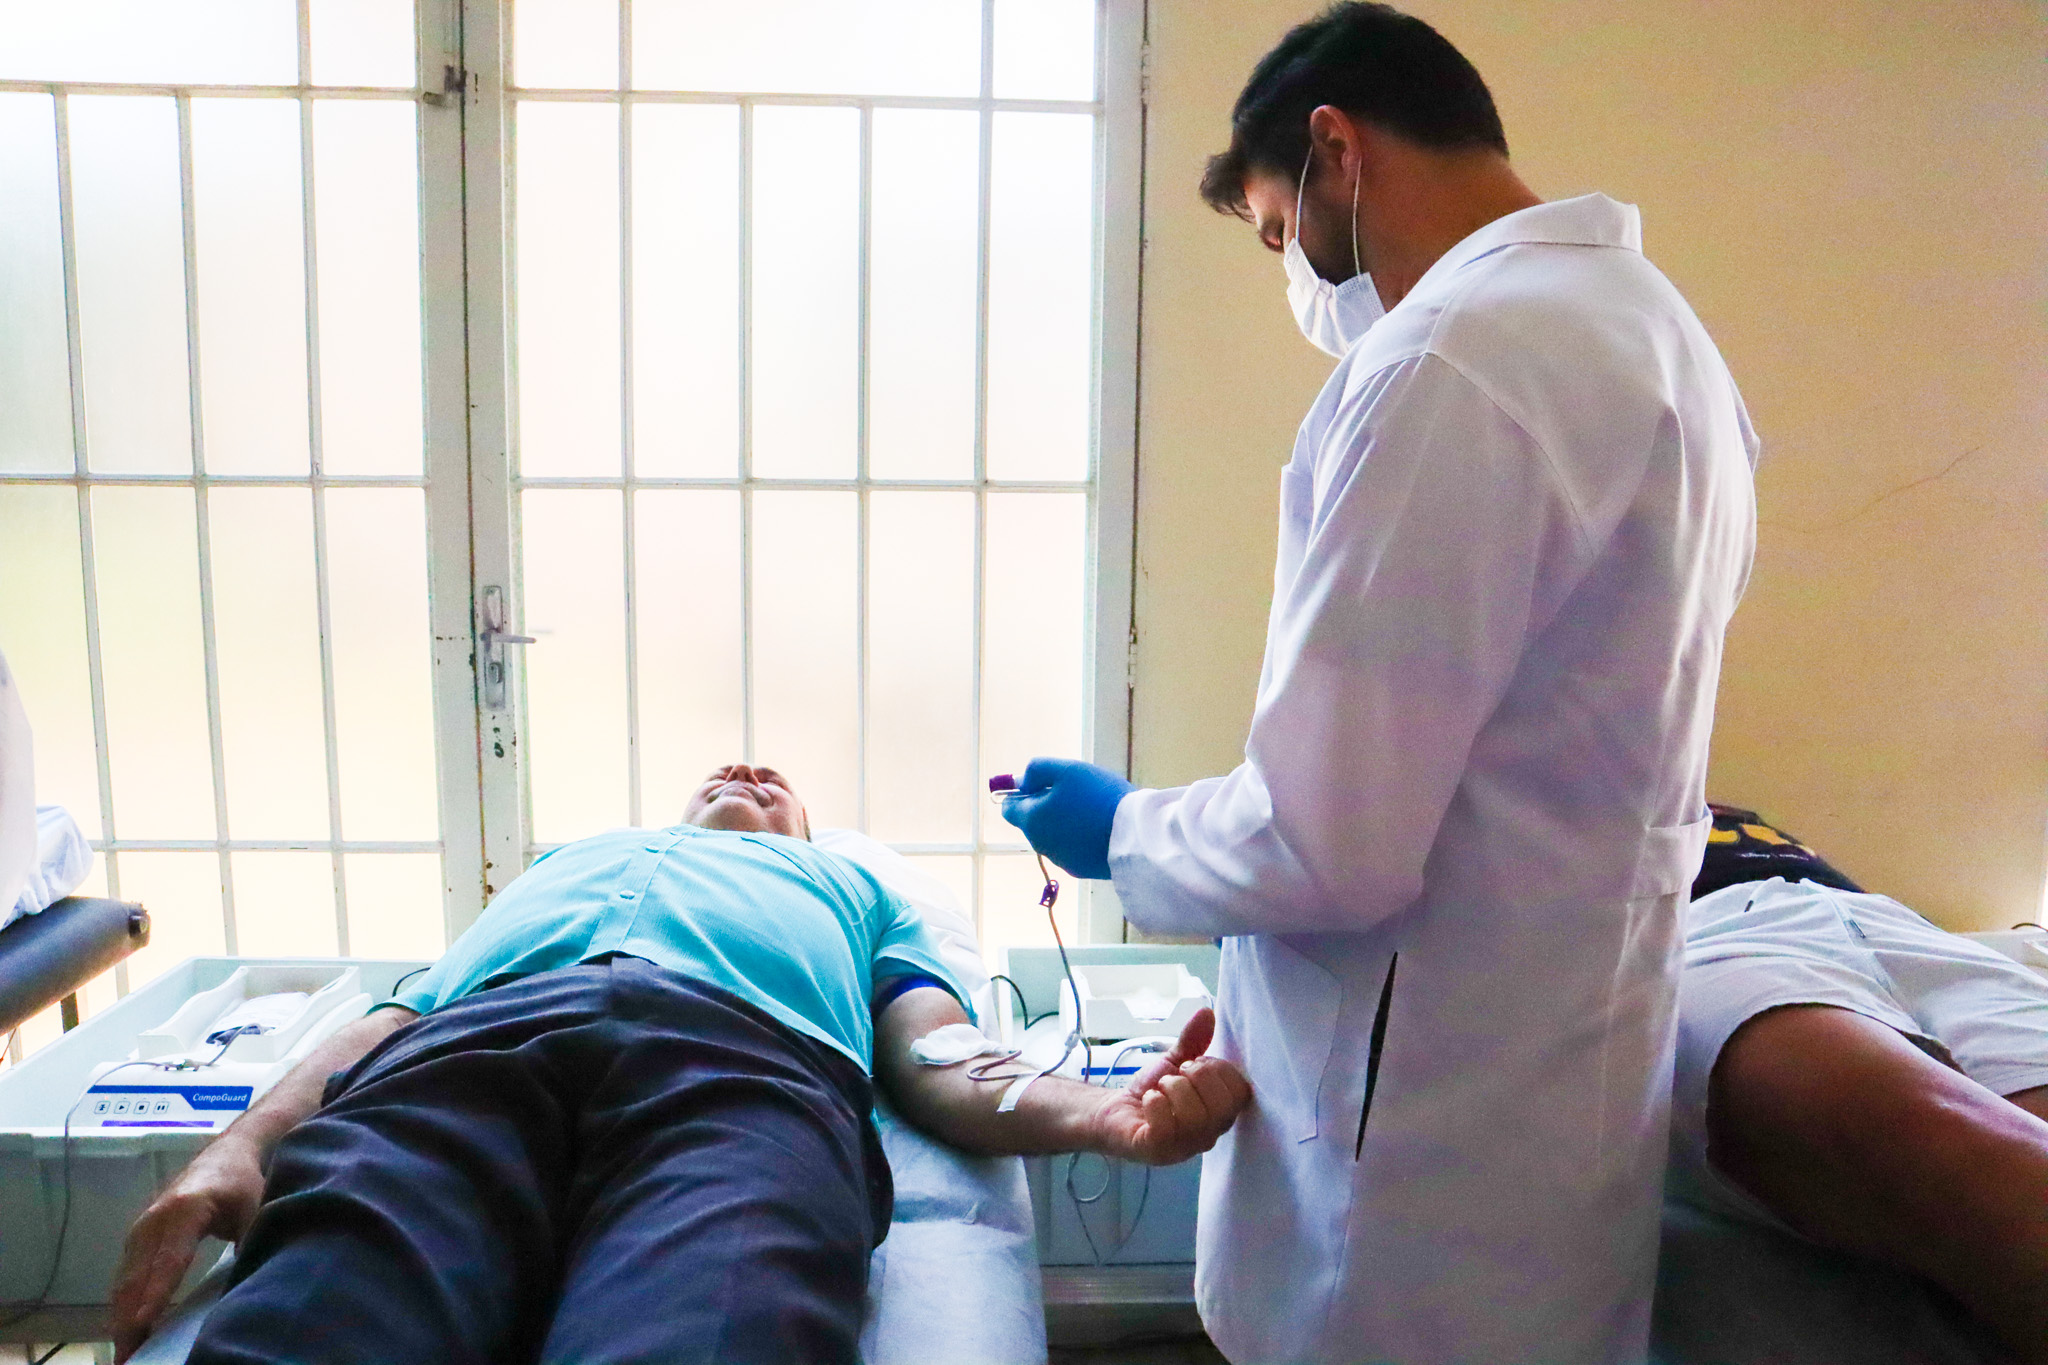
(453, 84)
(491, 638)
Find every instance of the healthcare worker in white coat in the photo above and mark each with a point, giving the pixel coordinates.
(1449, 873)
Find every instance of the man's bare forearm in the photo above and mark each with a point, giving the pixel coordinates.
(1168, 1118)
(294, 1098)
(1053, 1115)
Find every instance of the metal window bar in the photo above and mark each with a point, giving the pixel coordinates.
(88, 575)
(84, 480)
(629, 568)
(200, 501)
(984, 197)
(315, 436)
(862, 484)
(404, 94)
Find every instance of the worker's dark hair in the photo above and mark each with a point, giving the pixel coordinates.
(1373, 62)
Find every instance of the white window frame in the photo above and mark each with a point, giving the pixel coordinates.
(444, 476)
(487, 204)
(465, 225)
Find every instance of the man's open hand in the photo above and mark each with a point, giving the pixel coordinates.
(215, 1196)
(1179, 1105)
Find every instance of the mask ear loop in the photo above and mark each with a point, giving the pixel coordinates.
(1301, 184)
(1357, 268)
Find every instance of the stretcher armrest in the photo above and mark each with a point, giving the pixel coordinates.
(45, 957)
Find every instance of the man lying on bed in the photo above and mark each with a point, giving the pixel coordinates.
(625, 1117)
(1849, 1072)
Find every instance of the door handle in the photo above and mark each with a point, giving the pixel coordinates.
(491, 638)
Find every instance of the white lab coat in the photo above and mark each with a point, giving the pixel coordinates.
(1451, 866)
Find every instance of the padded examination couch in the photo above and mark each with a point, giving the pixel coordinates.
(46, 958)
(1731, 1293)
(955, 1281)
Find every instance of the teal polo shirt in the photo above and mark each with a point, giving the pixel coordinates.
(787, 927)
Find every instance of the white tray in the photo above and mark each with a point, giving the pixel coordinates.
(114, 1174)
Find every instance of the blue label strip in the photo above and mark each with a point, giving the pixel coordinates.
(198, 1096)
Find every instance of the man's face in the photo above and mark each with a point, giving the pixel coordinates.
(1325, 209)
(751, 799)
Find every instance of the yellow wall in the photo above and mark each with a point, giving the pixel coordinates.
(1851, 196)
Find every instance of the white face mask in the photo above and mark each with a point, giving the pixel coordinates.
(1330, 315)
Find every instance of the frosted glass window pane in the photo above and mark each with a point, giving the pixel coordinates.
(565, 44)
(152, 662)
(924, 277)
(806, 721)
(809, 47)
(921, 778)
(686, 290)
(38, 1031)
(42, 631)
(367, 221)
(362, 42)
(1011, 916)
(161, 42)
(284, 905)
(383, 653)
(573, 580)
(568, 289)
(250, 239)
(266, 630)
(1045, 50)
(1032, 640)
(97, 994)
(1041, 293)
(394, 905)
(181, 891)
(806, 281)
(35, 369)
(129, 220)
(686, 609)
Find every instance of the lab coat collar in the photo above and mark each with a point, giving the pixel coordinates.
(1589, 220)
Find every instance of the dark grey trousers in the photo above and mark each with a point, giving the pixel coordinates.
(605, 1163)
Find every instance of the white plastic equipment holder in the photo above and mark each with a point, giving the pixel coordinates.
(182, 1076)
(1132, 1000)
(115, 1172)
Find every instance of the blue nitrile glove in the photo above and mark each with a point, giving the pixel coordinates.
(1065, 808)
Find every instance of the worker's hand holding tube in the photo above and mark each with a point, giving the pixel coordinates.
(1066, 808)
(1179, 1105)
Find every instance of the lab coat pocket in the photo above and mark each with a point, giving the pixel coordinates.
(1281, 1010)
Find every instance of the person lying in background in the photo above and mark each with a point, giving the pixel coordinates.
(1854, 1075)
(627, 1116)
